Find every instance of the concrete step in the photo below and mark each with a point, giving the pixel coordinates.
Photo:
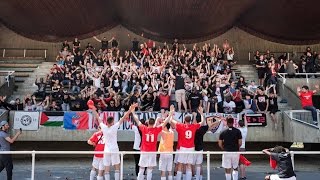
(24, 61)
(11, 65)
(21, 74)
(17, 69)
(19, 79)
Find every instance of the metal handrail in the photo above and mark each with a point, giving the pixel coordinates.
(254, 52)
(122, 153)
(283, 76)
(9, 73)
(289, 114)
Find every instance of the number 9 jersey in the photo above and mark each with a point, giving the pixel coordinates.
(186, 134)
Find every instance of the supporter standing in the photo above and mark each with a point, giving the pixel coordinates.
(230, 140)
(261, 67)
(5, 141)
(283, 158)
(262, 102)
(97, 140)
(305, 96)
(180, 89)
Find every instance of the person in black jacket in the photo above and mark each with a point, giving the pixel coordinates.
(284, 164)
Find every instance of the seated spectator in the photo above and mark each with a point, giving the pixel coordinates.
(54, 106)
(18, 105)
(237, 99)
(249, 104)
(29, 106)
(305, 96)
(229, 106)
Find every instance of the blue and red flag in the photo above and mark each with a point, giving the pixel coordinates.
(76, 120)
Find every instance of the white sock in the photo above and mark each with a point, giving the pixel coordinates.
(140, 174)
(188, 174)
(106, 176)
(116, 175)
(200, 177)
(149, 174)
(198, 170)
(228, 176)
(93, 174)
(184, 176)
(170, 178)
(235, 174)
(178, 176)
(163, 178)
(99, 177)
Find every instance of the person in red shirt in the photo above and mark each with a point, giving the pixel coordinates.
(305, 96)
(149, 139)
(186, 133)
(98, 142)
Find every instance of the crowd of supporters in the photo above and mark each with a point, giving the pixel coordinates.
(268, 65)
(155, 76)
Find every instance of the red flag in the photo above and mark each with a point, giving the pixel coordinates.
(244, 160)
(273, 163)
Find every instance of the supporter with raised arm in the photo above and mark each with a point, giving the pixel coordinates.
(305, 96)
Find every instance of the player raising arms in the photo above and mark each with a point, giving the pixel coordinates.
(186, 133)
(149, 136)
(110, 130)
(166, 145)
(97, 140)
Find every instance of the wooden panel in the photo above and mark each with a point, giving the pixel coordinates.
(240, 40)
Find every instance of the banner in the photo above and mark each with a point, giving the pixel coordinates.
(26, 120)
(52, 118)
(256, 119)
(76, 120)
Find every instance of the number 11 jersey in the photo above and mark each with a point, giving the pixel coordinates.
(149, 138)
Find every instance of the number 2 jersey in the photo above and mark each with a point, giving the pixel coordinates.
(149, 138)
(99, 140)
(186, 134)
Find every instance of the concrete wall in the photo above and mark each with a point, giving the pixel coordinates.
(240, 40)
(6, 90)
(295, 131)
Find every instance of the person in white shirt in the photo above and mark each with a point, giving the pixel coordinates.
(229, 106)
(110, 131)
(243, 127)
